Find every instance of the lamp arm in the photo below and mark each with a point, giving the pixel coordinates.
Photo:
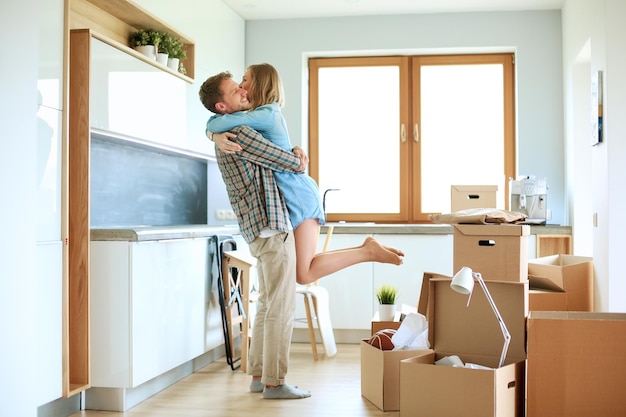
(505, 331)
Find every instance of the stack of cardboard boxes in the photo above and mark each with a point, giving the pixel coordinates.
(543, 350)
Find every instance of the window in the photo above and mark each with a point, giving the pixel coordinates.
(394, 133)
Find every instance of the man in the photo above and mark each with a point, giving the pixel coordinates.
(264, 223)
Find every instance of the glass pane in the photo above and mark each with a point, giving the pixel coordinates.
(359, 117)
(462, 132)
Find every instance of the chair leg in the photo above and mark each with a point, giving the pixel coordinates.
(317, 320)
(309, 320)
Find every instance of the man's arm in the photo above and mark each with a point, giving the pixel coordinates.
(260, 151)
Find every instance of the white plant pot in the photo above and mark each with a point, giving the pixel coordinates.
(386, 312)
(173, 63)
(147, 50)
(162, 58)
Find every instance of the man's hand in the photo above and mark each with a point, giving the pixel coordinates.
(304, 158)
(223, 142)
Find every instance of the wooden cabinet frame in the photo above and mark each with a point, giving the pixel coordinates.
(110, 21)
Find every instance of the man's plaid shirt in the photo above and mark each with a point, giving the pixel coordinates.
(250, 182)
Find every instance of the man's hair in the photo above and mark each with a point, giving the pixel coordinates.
(265, 86)
(211, 90)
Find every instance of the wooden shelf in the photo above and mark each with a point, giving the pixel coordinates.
(554, 245)
(112, 21)
(139, 56)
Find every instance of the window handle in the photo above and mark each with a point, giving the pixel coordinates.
(416, 133)
(402, 133)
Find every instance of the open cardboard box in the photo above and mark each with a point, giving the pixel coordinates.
(499, 252)
(474, 334)
(561, 283)
(576, 364)
(380, 369)
(380, 375)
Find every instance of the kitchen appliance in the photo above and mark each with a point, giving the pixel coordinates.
(529, 195)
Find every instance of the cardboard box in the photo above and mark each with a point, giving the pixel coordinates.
(380, 375)
(498, 251)
(576, 364)
(377, 324)
(474, 334)
(561, 283)
(472, 196)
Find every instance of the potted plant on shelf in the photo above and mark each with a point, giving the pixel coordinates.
(387, 295)
(174, 48)
(177, 53)
(146, 41)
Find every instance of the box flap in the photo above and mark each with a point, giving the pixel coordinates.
(494, 229)
(422, 305)
(574, 315)
(561, 260)
(466, 188)
(544, 283)
(455, 328)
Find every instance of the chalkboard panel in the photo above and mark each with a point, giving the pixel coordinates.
(135, 185)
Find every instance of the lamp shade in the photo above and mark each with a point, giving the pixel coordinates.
(463, 281)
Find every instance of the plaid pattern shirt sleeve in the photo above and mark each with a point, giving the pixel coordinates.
(250, 182)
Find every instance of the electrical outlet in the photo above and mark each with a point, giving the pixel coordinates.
(225, 214)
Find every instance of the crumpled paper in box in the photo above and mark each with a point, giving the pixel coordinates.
(412, 333)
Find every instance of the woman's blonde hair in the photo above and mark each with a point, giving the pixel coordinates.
(265, 86)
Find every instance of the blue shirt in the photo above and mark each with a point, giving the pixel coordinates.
(300, 191)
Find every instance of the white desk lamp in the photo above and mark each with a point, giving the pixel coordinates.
(463, 283)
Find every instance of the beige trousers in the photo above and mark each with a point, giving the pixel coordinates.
(273, 325)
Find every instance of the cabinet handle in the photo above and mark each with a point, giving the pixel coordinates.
(402, 133)
(416, 133)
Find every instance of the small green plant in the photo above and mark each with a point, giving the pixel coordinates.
(387, 294)
(171, 46)
(145, 37)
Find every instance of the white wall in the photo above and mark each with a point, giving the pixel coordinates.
(534, 36)
(594, 38)
(218, 33)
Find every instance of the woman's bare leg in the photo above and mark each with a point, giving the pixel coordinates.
(311, 265)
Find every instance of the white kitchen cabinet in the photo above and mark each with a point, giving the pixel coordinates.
(49, 314)
(349, 290)
(148, 304)
(423, 253)
(49, 297)
(352, 290)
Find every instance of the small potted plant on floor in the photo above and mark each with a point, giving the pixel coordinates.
(387, 295)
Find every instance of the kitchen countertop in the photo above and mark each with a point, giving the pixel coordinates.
(427, 229)
(147, 233)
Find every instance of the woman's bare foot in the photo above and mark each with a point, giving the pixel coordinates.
(380, 253)
(389, 248)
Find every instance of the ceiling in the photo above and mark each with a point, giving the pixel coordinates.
(289, 9)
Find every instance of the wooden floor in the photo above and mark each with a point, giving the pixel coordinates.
(216, 390)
